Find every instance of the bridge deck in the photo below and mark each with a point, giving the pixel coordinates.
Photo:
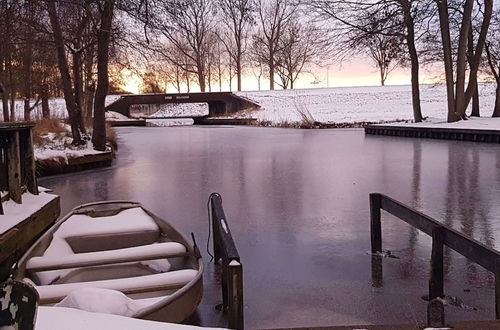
(219, 103)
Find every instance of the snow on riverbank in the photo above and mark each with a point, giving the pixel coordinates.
(355, 104)
(59, 318)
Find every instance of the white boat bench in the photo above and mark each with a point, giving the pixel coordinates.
(163, 281)
(88, 259)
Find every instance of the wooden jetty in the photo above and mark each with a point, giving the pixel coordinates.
(462, 134)
(17, 184)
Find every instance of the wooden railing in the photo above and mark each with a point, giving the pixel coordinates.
(441, 235)
(232, 269)
(17, 162)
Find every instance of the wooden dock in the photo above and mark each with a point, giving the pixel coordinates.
(20, 192)
(475, 135)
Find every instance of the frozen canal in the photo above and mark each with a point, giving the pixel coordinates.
(297, 204)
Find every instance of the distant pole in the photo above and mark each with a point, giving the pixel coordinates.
(328, 76)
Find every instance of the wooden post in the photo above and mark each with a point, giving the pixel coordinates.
(235, 295)
(14, 167)
(436, 282)
(375, 223)
(29, 161)
(497, 289)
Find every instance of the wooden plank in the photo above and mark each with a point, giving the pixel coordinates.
(375, 223)
(29, 166)
(14, 167)
(29, 229)
(235, 296)
(436, 282)
(497, 289)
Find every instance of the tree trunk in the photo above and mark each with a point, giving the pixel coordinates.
(65, 75)
(271, 72)
(475, 103)
(462, 60)
(470, 57)
(5, 103)
(496, 111)
(103, 40)
(238, 72)
(45, 101)
(448, 60)
(415, 88)
(27, 62)
(382, 75)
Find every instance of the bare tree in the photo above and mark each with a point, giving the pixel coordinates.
(274, 17)
(492, 50)
(458, 94)
(350, 20)
(237, 16)
(187, 25)
(301, 44)
(75, 115)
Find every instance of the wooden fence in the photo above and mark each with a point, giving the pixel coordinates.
(232, 269)
(441, 235)
(17, 162)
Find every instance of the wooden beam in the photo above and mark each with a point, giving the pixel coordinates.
(14, 167)
(29, 174)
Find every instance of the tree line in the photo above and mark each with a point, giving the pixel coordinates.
(77, 48)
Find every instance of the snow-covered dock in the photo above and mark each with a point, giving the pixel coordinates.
(25, 210)
(474, 129)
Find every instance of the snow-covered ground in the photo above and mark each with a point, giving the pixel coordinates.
(326, 105)
(355, 104)
(57, 108)
(57, 147)
(59, 318)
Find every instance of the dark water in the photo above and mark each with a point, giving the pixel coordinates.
(297, 204)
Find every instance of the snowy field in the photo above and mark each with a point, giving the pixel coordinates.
(57, 108)
(356, 104)
(327, 105)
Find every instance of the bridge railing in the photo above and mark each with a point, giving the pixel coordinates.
(17, 162)
(232, 269)
(441, 235)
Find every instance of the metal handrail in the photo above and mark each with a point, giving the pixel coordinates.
(441, 235)
(232, 269)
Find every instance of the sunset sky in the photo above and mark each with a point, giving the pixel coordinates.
(357, 72)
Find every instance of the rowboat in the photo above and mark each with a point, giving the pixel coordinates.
(115, 257)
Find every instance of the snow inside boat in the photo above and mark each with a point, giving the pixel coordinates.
(119, 258)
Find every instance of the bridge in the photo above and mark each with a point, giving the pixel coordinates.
(219, 103)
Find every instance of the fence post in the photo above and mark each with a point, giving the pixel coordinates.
(436, 285)
(497, 289)
(14, 167)
(235, 295)
(375, 223)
